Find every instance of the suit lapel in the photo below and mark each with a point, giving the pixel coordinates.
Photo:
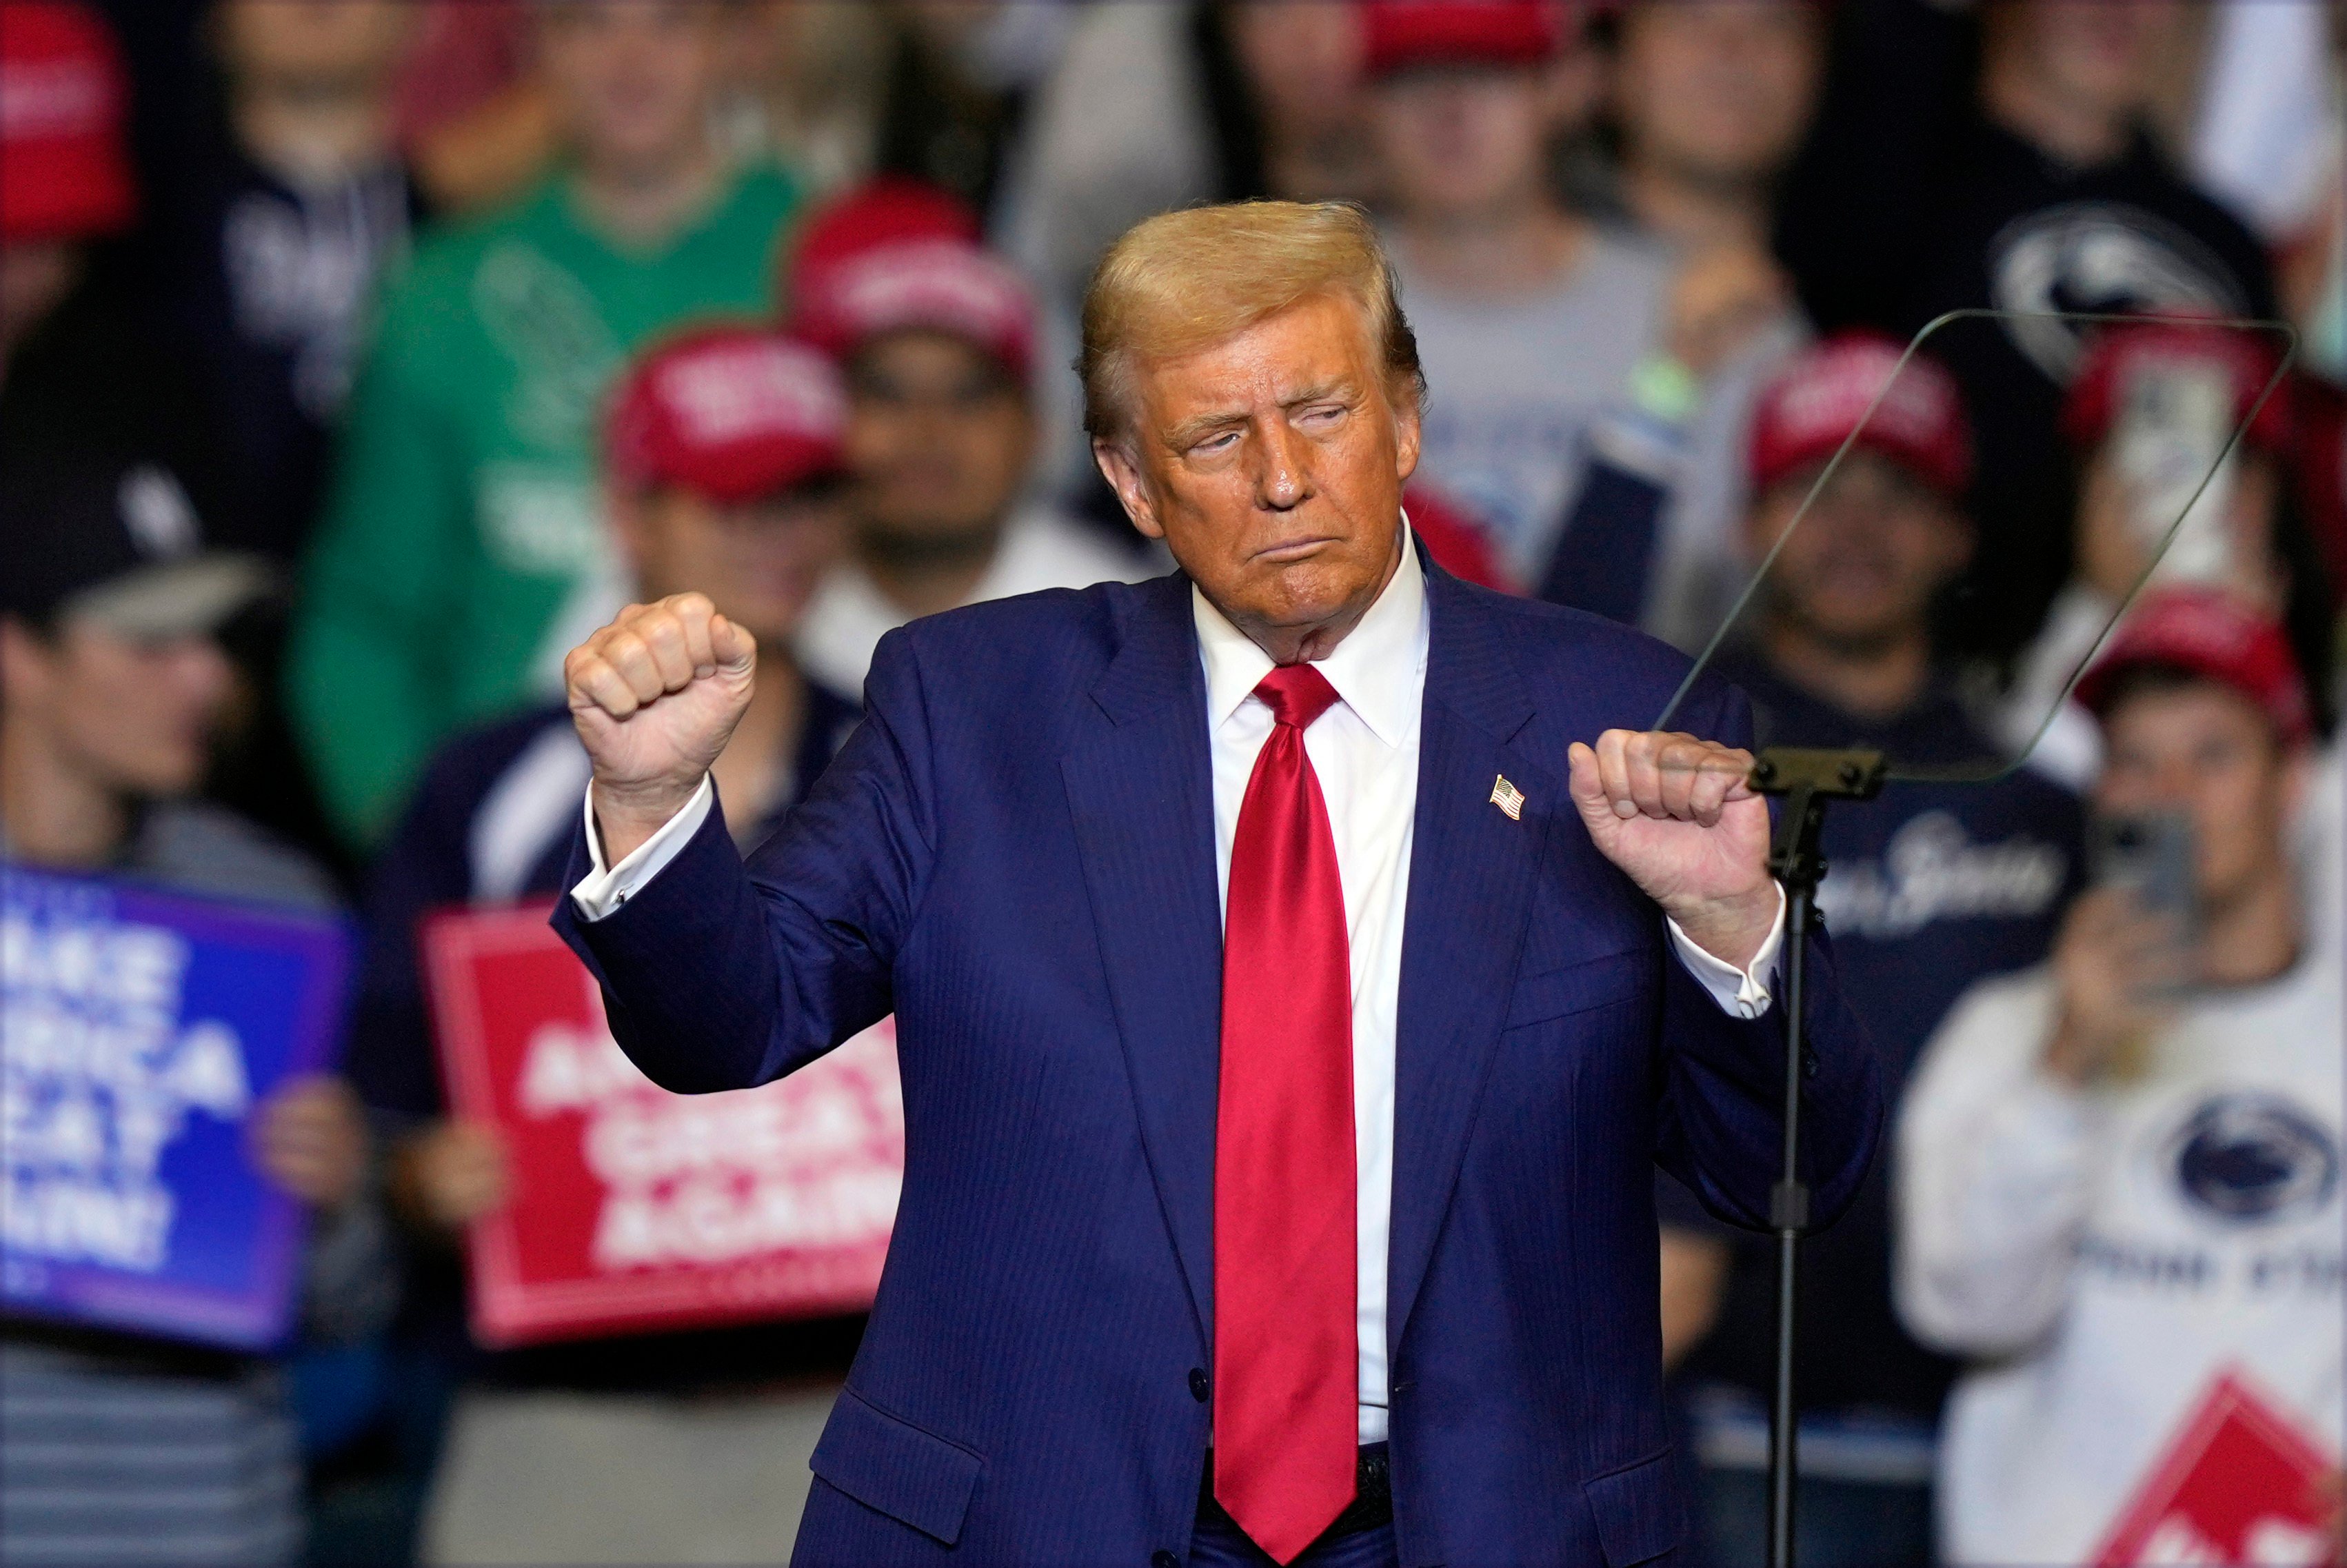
(1141, 787)
(1473, 871)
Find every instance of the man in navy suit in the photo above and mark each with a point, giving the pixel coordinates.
(1300, 963)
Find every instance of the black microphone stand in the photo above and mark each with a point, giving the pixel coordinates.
(1806, 780)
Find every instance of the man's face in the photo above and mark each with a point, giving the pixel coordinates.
(2206, 751)
(940, 438)
(1463, 140)
(343, 45)
(758, 561)
(136, 715)
(2095, 55)
(1272, 464)
(633, 78)
(1860, 571)
(1719, 90)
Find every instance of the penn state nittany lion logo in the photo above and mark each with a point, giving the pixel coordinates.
(2255, 1158)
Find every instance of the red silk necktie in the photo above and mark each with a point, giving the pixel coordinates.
(1285, 1342)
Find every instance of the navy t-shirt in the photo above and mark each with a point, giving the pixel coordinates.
(491, 822)
(1928, 888)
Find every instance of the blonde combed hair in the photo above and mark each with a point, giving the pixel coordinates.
(1182, 281)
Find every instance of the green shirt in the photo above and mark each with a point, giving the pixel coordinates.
(464, 549)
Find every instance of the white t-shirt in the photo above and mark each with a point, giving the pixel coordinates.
(848, 615)
(2123, 1262)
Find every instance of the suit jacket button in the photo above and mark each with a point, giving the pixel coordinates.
(1164, 1560)
(1199, 1386)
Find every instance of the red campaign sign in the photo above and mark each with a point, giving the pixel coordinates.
(636, 1209)
(2239, 1484)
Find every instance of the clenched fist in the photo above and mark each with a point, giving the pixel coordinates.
(656, 695)
(1677, 813)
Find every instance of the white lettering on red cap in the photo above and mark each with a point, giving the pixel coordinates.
(740, 390)
(58, 98)
(939, 282)
(1834, 393)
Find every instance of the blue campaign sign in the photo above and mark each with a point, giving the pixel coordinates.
(138, 1031)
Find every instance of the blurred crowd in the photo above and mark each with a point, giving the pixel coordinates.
(358, 357)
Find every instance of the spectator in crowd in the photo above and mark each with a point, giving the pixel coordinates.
(1933, 887)
(1711, 98)
(117, 1447)
(69, 179)
(2119, 1173)
(274, 224)
(465, 510)
(936, 337)
(1504, 285)
(812, 77)
(84, 359)
(723, 452)
(2146, 417)
(2033, 185)
(1709, 101)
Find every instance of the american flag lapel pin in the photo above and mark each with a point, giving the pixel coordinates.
(1508, 798)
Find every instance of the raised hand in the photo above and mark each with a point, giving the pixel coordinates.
(1677, 813)
(656, 695)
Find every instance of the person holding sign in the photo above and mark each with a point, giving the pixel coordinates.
(111, 683)
(1299, 963)
(723, 453)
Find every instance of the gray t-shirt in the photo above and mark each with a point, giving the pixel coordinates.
(1513, 382)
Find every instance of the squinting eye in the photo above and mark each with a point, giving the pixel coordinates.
(1217, 443)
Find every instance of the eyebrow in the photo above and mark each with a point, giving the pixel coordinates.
(1190, 430)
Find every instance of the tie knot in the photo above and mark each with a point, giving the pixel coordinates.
(1297, 694)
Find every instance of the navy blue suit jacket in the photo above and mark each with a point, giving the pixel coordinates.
(1016, 854)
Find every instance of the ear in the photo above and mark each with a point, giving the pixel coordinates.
(1124, 477)
(1408, 426)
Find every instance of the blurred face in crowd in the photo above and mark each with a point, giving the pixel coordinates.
(135, 717)
(940, 438)
(2092, 55)
(35, 275)
(1303, 58)
(1461, 141)
(2200, 749)
(1272, 465)
(1859, 573)
(325, 46)
(758, 561)
(1718, 91)
(633, 78)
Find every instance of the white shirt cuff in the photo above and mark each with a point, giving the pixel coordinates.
(604, 889)
(1742, 993)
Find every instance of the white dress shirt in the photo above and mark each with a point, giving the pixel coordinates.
(1364, 750)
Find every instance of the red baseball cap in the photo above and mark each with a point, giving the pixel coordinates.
(2212, 634)
(897, 253)
(730, 413)
(2123, 351)
(1400, 33)
(64, 172)
(1820, 396)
